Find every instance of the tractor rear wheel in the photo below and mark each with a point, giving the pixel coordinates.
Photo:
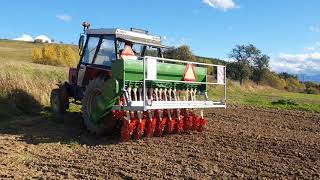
(93, 90)
(58, 106)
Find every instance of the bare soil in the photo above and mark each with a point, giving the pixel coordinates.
(240, 142)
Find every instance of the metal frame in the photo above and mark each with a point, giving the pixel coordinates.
(133, 36)
(146, 104)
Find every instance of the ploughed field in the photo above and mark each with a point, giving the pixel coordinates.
(239, 142)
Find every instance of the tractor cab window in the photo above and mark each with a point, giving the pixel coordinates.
(136, 48)
(107, 52)
(90, 50)
(140, 50)
(151, 51)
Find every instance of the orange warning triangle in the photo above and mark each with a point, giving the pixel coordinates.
(189, 73)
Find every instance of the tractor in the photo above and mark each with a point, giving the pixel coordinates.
(125, 84)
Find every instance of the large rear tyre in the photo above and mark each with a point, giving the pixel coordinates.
(58, 106)
(93, 90)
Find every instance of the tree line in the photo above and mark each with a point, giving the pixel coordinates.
(247, 62)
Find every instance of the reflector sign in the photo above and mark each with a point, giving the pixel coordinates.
(151, 68)
(221, 76)
(190, 73)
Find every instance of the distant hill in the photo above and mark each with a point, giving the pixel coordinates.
(313, 78)
(18, 50)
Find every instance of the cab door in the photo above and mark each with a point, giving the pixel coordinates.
(97, 58)
(87, 57)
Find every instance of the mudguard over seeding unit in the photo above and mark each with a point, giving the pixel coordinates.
(120, 87)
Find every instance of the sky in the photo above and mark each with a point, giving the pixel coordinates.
(286, 30)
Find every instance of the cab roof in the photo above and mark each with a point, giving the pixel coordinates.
(133, 36)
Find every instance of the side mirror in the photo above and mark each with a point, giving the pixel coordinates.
(81, 43)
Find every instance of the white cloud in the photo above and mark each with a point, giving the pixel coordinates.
(221, 4)
(64, 17)
(300, 57)
(43, 38)
(308, 63)
(313, 48)
(24, 37)
(314, 28)
(309, 48)
(176, 41)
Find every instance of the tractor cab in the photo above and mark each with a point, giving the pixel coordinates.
(99, 48)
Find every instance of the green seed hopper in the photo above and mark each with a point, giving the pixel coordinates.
(130, 79)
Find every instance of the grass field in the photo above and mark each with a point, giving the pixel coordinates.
(267, 97)
(16, 50)
(20, 77)
(24, 86)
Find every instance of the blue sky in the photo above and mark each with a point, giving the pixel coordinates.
(286, 30)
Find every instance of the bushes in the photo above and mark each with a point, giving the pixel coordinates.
(293, 85)
(286, 102)
(290, 84)
(56, 55)
(273, 80)
(37, 55)
(312, 88)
